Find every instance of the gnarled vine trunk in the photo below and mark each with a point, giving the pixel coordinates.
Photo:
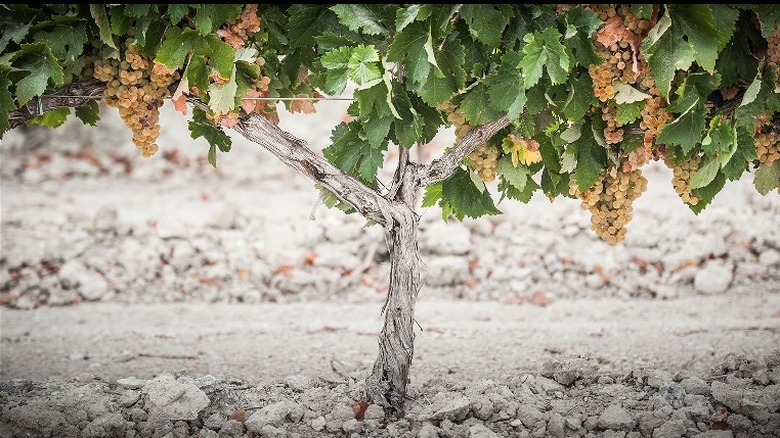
(386, 385)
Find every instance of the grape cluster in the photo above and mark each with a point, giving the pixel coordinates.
(632, 22)
(610, 202)
(238, 31)
(767, 144)
(619, 58)
(613, 132)
(484, 161)
(604, 11)
(603, 79)
(457, 118)
(136, 87)
(683, 171)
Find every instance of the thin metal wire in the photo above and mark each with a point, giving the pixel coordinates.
(243, 98)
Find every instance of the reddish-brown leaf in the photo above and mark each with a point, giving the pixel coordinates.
(248, 104)
(210, 281)
(601, 272)
(310, 258)
(283, 269)
(179, 99)
(359, 409)
(611, 32)
(302, 106)
(238, 415)
(540, 299)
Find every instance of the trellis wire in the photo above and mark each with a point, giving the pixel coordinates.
(65, 96)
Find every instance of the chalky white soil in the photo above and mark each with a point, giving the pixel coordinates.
(162, 298)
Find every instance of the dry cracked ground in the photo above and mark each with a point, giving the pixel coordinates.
(163, 298)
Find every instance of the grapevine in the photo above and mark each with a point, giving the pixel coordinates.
(567, 100)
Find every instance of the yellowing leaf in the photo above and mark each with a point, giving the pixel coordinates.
(522, 151)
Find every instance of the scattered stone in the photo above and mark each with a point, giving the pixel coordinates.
(715, 434)
(89, 284)
(616, 417)
(448, 406)
(105, 219)
(175, 399)
(482, 407)
(129, 398)
(273, 414)
(351, 426)
(215, 421)
(428, 431)
(529, 415)
(481, 431)
(769, 257)
(131, 383)
(446, 238)
(556, 426)
(671, 429)
(565, 371)
(447, 271)
(300, 383)
(713, 278)
(695, 385)
(374, 413)
(726, 394)
(318, 423)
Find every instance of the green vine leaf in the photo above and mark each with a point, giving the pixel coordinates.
(463, 199)
(44, 70)
(581, 24)
(686, 130)
(89, 113)
(413, 47)
(201, 126)
(357, 17)
(209, 17)
(6, 104)
(486, 22)
(705, 175)
(544, 51)
(100, 15)
(767, 177)
(51, 119)
(630, 112)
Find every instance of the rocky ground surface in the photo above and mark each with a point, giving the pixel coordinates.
(153, 298)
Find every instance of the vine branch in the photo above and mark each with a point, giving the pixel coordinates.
(443, 166)
(48, 102)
